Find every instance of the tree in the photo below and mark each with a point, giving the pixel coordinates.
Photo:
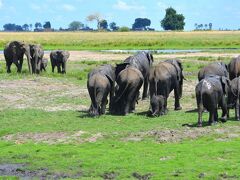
(141, 23)
(103, 24)
(30, 26)
(9, 27)
(25, 27)
(75, 25)
(47, 25)
(172, 20)
(113, 26)
(196, 26)
(210, 26)
(206, 26)
(38, 25)
(95, 17)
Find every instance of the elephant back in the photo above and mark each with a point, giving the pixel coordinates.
(234, 68)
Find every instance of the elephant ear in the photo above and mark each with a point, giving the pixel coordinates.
(225, 84)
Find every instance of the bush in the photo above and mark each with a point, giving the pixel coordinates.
(123, 29)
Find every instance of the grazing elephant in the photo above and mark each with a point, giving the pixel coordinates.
(157, 105)
(100, 83)
(59, 58)
(234, 96)
(164, 78)
(234, 68)
(14, 52)
(43, 65)
(129, 80)
(211, 93)
(36, 52)
(143, 62)
(216, 68)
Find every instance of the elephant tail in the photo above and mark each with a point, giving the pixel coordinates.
(122, 91)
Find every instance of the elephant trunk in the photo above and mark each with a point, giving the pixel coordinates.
(29, 61)
(64, 67)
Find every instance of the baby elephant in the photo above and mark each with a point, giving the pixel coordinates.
(234, 96)
(211, 93)
(43, 65)
(59, 58)
(157, 105)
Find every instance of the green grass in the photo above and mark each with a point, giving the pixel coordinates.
(128, 40)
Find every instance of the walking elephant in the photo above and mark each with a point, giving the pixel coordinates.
(101, 82)
(216, 68)
(14, 52)
(36, 52)
(234, 96)
(211, 93)
(157, 105)
(234, 68)
(164, 78)
(129, 80)
(59, 58)
(143, 62)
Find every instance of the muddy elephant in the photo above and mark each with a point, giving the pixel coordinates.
(165, 77)
(14, 52)
(234, 97)
(234, 68)
(211, 93)
(157, 105)
(129, 80)
(36, 52)
(216, 68)
(101, 82)
(59, 58)
(143, 62)
(44, 64)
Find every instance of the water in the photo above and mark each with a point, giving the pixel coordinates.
(165, 51)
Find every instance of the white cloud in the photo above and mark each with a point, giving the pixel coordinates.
(121, 5)
(1, 4)
(35, 7)
(162, 5)
(68, 7)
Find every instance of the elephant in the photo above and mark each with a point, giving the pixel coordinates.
(234, 68)
(234, 96)
(43, 65)
(129, 80)
(143, 62)
(165, 77)
(14, 52)
(211, 93)
(157, 105)
(36, 52)
(59, 58)
(101, 82)
(216, 68)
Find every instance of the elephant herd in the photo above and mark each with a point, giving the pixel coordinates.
(15, 50)
(133, 73)
(218, 87)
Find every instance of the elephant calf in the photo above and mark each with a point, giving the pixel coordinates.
(211, 93)
(43, 65)
(100, 83)
(157, 105)
(129, 81)
(59, 58)
(234, 96)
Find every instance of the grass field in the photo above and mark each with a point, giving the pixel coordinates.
(128, 40)
(45, 132)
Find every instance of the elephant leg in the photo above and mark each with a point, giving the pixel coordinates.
(8, 64)
(59, 68)
(211, 117)
(93, 110)
(224, 111)
(200, 111)
(237, 111)
(177, 99)
(145, 88)
(111, 97)
(18, 67)
(215, 116)
(104, 103)
(20, 64)
(53, 67)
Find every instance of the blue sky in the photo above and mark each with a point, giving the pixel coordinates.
(222, 13)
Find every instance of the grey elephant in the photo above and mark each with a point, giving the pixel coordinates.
(36, 52)
(14, 52)
(157, 103)
(44, 64)
(101, 82)
(211, 93)
(216, 68)
(234, 68)
(165, 77)
(129, 80)
(59, 58)
(234, 96)
(143, 62)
